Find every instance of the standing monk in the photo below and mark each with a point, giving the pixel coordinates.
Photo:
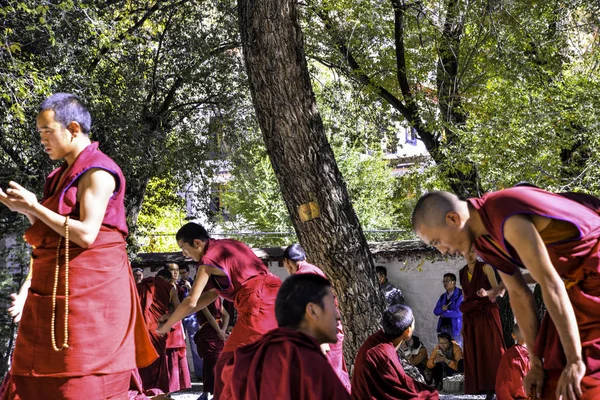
(81, 324)
(556, 239)
(236, 274)
(294, 261)
(483, 345)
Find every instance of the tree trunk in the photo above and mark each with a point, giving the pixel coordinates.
(304, 164)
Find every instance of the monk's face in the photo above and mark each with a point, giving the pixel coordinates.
(138, 276)
(56, 138)
(174, 269)
(195, 251)
(452, 237)
(326, 319)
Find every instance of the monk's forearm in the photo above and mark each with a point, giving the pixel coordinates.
(523, 307)
(183, 310)
(561, 311)
(204, 300)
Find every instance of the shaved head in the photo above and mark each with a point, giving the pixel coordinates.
(431, 209)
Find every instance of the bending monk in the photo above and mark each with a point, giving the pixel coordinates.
(81, 290)
(294, 261)
(287, 363)
(378, 373)
(236, 274)
(556, 239)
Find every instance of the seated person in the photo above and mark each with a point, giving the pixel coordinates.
(290, 356)
(378, 373)
(415, 353)
(513, 367)
(446, 359)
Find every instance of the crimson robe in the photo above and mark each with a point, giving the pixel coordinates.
(209, 344)
(335, 355)
(513, 367)
(283, 364)
(103, 301)
(251, 287)
(166, 373)
(378, 374)
(483, 345)
(576, 259)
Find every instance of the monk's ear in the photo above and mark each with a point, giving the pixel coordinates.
(198, 243)
(453, 218)
(74, 128)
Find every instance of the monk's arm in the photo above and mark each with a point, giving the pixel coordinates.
(196, 299)
(174, 297)
(224, 318)
(522, 234)
(211, 320)
(94, 190)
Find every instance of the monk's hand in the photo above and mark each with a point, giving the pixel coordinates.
(569, 384)
(163, 329)
(17, 198)
(163, 318)
(535, 377)
(16, 308)
(222, 335)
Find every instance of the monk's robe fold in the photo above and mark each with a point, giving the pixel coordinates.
(513, 367)
(103, 302)
(378, 374)
(572, 241)
(284, 364)
(250, 286)
(483, 345)
(335, 355)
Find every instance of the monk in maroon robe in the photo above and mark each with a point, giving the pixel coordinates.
(483, 345)
(513, 367)
(236, 274)
(166, 373)
(378, 373)
(294, 261)
(287, 363)
(80, 334)
(556, 238)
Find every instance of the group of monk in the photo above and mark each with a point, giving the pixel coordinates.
(83, 335)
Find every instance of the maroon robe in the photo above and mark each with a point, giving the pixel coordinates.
(165, 373)
(283, 364)
(335, 355)
(209, 344)
(513, 367)
(378, 374)
(103, 302)
(575, 259)
(483, 345)
(252, 288)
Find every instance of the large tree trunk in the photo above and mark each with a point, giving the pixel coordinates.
(304, 162)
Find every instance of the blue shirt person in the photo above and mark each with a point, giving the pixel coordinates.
(448, 309)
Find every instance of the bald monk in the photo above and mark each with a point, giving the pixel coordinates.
(512, 369)
(378, 373)
(483, 343)
(287, 363)
(236, 274)
(294, 261)
(81, 322)
(157, 296)
(556, 239)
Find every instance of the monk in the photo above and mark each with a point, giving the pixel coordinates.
(287, 363)
(378, 373)
(512, 369)
(210, 340)
(556, 239)
(294, 261)
(169, 372)
(236, 274)
(483, 343)
(81, 332)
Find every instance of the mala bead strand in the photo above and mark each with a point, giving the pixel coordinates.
(65, 344)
